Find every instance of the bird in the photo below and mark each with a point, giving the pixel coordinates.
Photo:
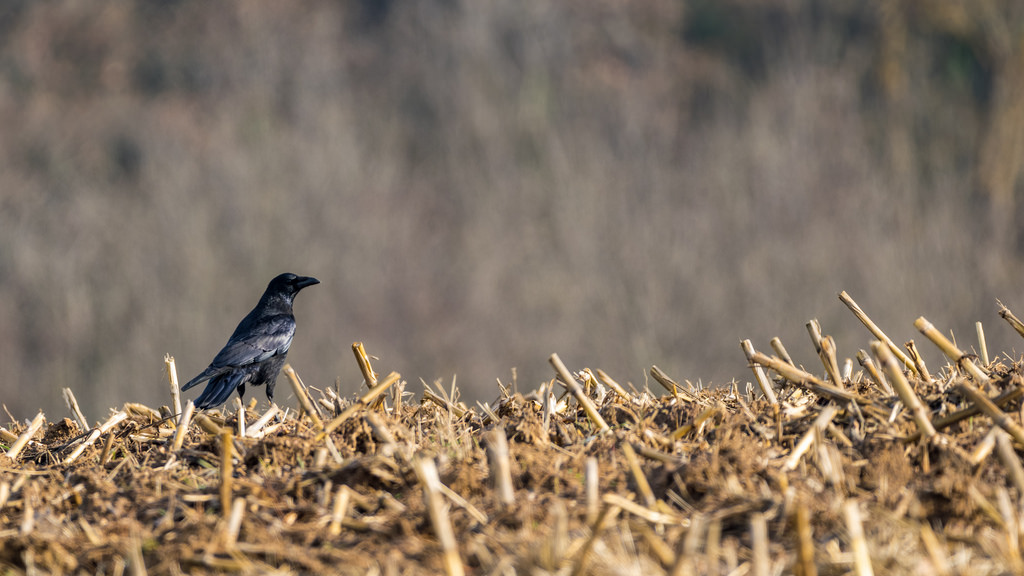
(256, 350)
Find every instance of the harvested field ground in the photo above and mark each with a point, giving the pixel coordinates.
(888, 469)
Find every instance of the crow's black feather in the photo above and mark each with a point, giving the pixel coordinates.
(256, 350)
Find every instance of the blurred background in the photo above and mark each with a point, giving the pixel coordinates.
(480, 184)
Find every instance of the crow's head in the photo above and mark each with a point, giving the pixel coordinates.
(289, 284)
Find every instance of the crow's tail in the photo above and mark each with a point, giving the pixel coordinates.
(219, 389)
(205, 375)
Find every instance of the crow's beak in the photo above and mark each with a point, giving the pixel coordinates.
(303, 281)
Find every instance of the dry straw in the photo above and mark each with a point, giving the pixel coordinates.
(922, 370)
(27, 435)
(172, 380)
(569, 382)
(698, 481)
(501, 468)
(95, 433)
(821, 422)
(875, 330)
(987, 406)
(759, 537)
(951, 351)
(671, 385)
(76, 411)
(827, 354)
(638, 475)
(1010, 460)
(861, 555)
(877, 377)
(805, 565)
(234, 523)
(182, 427)
(369, 376)
(982, 345)
(339, 510)
(363, 402)
(759, 376)
(780, 351)
(592, 490)
(611, 383)
(303, 396)
(806, 379)
(1007, 315)
(226, 470)
(426, 471)
(903, 389)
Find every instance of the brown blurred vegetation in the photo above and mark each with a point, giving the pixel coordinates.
(479, 184)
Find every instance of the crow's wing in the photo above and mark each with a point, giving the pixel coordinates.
(268, 337)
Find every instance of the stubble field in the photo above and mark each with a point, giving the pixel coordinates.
(894, 467)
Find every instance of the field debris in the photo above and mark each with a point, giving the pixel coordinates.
(891, 469)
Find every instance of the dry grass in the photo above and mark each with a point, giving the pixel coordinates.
(577, 477)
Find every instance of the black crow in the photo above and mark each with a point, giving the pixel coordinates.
(256, 350)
